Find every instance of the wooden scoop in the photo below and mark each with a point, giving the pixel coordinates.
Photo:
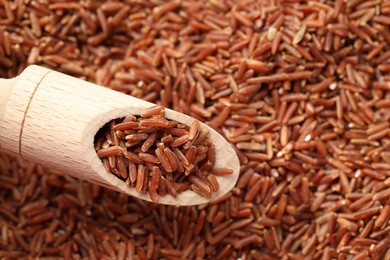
(51, 118)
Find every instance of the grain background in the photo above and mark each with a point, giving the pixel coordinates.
(302, 90)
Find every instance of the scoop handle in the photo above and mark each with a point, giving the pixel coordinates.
(6, 86)
(15, 97)
(51, 118)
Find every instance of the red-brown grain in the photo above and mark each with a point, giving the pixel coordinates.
(203, 58)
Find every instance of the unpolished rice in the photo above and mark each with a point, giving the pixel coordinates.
(149, 161)
(202, 58)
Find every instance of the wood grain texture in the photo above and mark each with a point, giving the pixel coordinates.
(6, 87)
(60, 116)
(15, 107)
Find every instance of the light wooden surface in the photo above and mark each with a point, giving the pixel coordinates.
(51, 118)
